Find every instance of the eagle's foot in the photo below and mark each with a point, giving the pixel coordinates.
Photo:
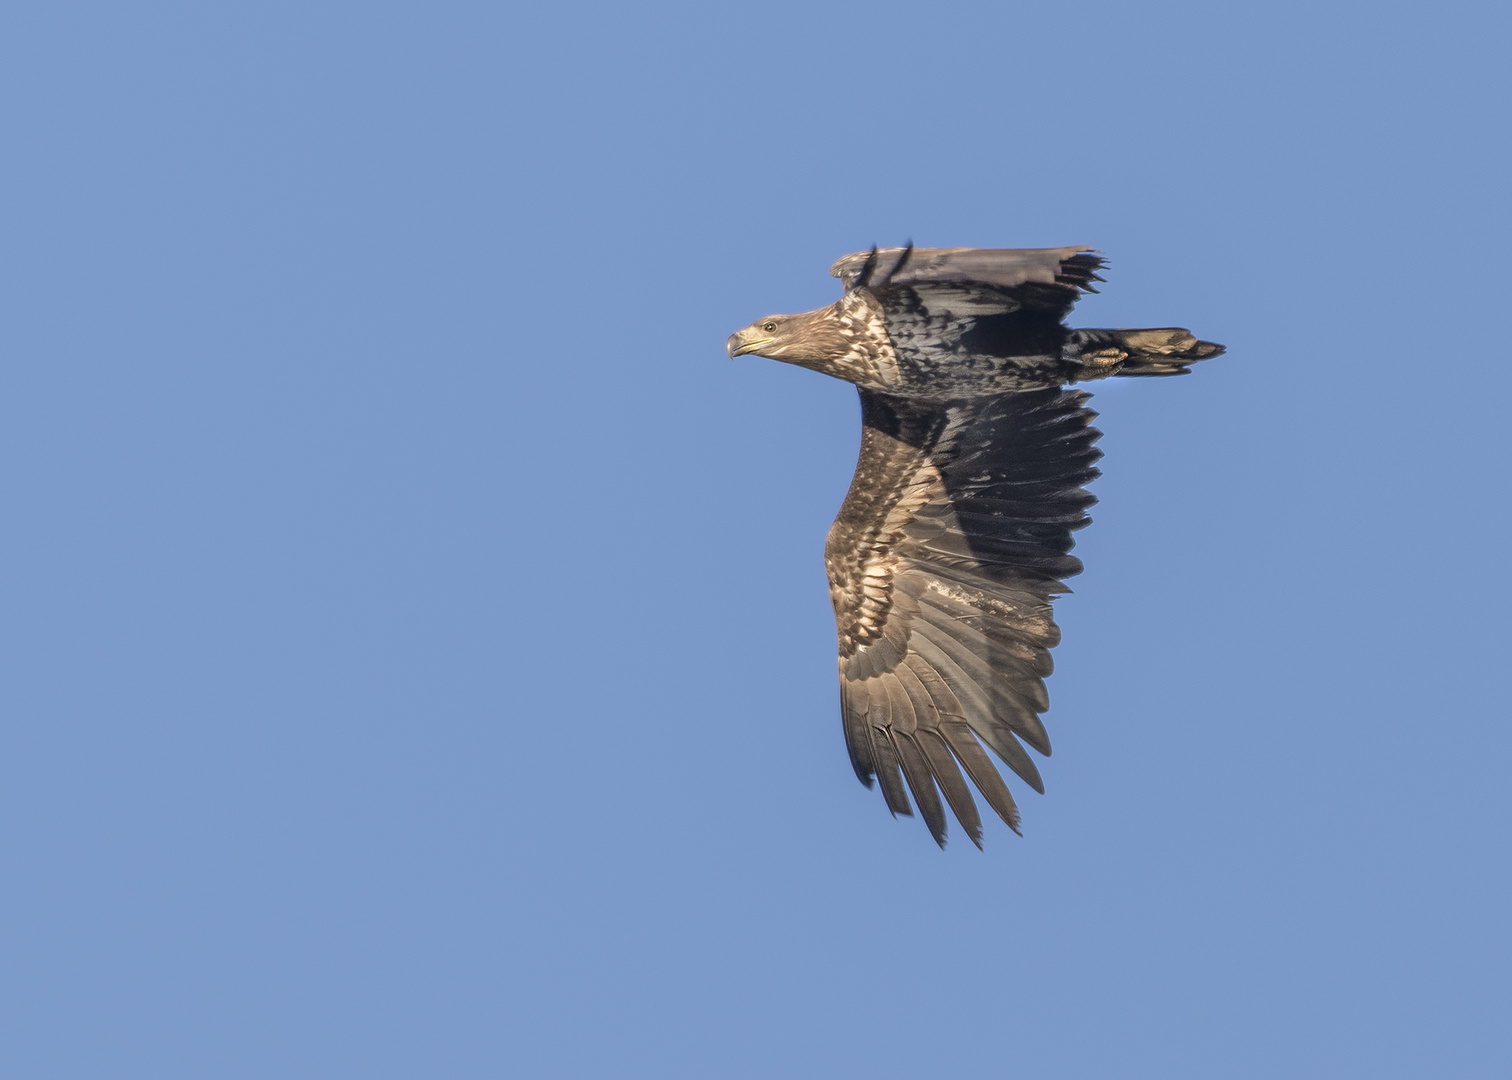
(1091, 355)
(1102, 363)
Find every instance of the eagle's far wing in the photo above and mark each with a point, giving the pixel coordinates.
(1045, 279)
(942, 565)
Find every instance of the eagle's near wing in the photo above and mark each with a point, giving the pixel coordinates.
(942, 565)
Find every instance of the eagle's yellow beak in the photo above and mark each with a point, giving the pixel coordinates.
(745, 341)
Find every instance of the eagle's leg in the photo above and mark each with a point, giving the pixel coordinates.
(1092, 354)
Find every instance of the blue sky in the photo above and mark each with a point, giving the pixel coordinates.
(415, 658)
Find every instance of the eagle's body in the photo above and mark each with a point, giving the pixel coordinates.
(955, 534)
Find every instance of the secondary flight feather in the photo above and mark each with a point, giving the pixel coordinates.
(955, 535)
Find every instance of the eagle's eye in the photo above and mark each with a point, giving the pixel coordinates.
(769, 327)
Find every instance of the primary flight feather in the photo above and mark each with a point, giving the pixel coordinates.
(956, 532)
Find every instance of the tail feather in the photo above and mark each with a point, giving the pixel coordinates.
(1166, 350)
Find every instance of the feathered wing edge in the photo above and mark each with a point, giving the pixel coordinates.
(973, 545)
(909, 721)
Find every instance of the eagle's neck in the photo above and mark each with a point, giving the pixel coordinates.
(849, 341)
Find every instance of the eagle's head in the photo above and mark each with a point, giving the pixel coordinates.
(846, 340)
(794, 338)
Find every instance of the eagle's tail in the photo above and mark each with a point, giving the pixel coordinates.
(1097, 354)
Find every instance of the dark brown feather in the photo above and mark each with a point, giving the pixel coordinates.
(921, 783)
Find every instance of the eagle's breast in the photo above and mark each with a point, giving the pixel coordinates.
(864, 354)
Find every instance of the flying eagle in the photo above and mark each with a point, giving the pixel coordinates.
(956, 532)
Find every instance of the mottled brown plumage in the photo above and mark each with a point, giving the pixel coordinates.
(956, 532)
